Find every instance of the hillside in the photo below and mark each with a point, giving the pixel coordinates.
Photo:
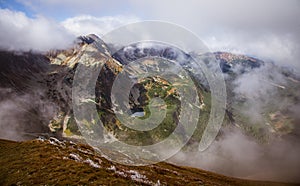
(54, 162)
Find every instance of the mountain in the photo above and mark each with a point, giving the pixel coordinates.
(36, 100)
(280, 83)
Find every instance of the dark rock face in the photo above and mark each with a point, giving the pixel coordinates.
(25, 110)
(138, 51)
(226, 60)
(22, 70)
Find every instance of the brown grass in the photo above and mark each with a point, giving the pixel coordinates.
(41, 163)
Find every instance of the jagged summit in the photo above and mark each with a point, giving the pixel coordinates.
(88, 39)
(93, 39)
(150, 49)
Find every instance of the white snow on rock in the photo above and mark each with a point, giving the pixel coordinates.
(132, 174)
(75, 157)
(91, 163)
(112, 168)
(56, 142)
(136, 176)
(85, 151)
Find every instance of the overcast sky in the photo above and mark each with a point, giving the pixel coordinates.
(269, 29)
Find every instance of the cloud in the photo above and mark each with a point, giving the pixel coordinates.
(267, 29)
(18, 32)
(282, 49)
(238, 14)
(71, 8)
(24, 116)
(198, 15)
(238, 155)
(86, 24)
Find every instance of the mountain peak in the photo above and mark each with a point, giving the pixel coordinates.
(88, 39)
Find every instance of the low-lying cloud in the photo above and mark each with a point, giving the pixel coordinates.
(282, 49)
(236, 154)
(24, 116)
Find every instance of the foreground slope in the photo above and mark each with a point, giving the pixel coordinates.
(54, 162)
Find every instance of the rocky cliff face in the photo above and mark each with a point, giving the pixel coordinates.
(25, 109)
(59, 84)
(52, 76)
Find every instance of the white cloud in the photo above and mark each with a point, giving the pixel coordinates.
(238, 14)
(283, 49)
(268, 29)
(86, 24)
(19, 32)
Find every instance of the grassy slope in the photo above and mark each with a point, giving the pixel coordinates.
(41, 163)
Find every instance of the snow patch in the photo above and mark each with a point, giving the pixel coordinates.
(112, 168)
(136, 176)
(56, 142)
(132, 174)
(91, 163)
(85, 151)
(75, 157)
(157, 183)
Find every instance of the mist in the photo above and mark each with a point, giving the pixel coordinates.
(256, 94)
(261, 89)
(24, 116)
(238, 155)
(25, 109)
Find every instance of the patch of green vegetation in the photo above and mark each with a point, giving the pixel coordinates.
(202, 121)
(68, 133)
(72, 127)
(166, 127)
(258, 130)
